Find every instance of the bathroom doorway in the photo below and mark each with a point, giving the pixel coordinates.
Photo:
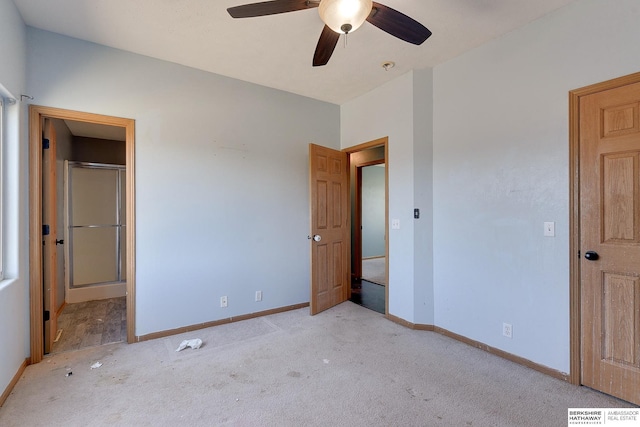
(82, 281)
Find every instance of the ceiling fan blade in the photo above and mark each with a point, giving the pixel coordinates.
(270, 8)
(326, 45)
(398, 24)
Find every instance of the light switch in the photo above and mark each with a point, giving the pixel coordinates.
(395, 224)
(550, 229)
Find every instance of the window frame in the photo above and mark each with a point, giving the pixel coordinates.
(3, 138)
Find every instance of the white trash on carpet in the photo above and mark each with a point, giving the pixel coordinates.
(194, 344)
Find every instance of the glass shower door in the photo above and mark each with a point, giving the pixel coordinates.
(95, 227)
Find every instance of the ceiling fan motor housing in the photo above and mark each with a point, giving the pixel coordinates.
(344, 16)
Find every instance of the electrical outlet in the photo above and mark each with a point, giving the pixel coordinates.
(223, 301)
(507, 330)
(258, 296)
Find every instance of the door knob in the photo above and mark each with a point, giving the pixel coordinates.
(591, 255)
(316, 237)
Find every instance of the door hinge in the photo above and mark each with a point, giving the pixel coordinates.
(45, 229)
(45, 143)
(578, 254)
(46, 316)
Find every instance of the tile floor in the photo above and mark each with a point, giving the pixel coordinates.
(91, 323)
(369, 295)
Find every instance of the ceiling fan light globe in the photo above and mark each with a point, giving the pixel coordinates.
(344, 16)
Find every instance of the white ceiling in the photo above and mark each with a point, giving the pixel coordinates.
(276, 51)
(95, 130)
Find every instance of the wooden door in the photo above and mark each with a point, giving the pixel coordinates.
(330, 227)
(50, 221)
(610, 241)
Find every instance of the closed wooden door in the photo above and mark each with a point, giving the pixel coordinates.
(610, 241)
(330, 227)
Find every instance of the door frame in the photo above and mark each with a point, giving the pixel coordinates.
(49, 252)
(380, 142)
(574, 215)
(356, 249)
(37, 114)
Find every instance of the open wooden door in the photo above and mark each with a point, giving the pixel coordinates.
(49, 221)
(610, 241)
(330, 227)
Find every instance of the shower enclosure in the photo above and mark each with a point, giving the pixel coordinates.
(95, 231)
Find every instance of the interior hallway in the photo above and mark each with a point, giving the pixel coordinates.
(370, 291)
(375, 270)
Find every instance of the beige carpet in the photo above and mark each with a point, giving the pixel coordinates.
(375, 270)
(347, 366)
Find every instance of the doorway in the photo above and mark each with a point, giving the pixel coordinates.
(95, 143)
(331, 214)
(369, 207)
(605, 237)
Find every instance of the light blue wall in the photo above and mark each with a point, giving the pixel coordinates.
(501, 170)
(373, 209)
(480, 144)
(12, 49)
(423, 196)
(222, 203)
(388, 111)
(14, 314)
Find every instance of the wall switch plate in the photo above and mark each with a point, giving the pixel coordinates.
(507, 330)
(395, 224)
(550, 229)
(223, 301)
(258, 296)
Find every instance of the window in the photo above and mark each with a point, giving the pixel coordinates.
(2, 200)
(9, 121)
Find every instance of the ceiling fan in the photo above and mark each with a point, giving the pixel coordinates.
(341, 17)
